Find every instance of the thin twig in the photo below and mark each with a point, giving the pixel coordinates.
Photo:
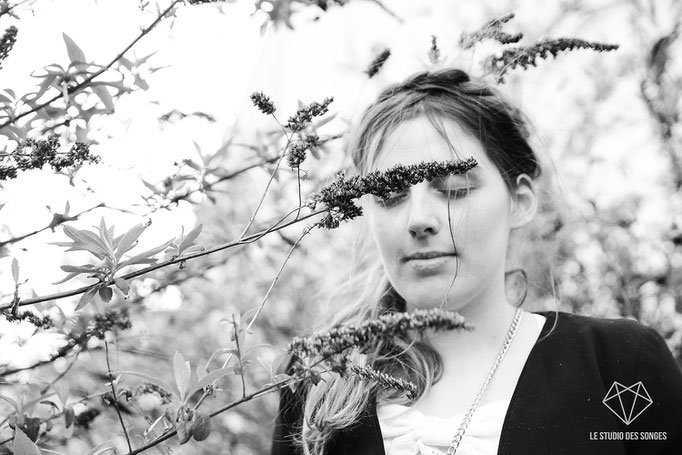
(57, 220)
(239, 355)
(272, 177)
(243, 241)
(113, 391)
(77, 87)
(306, 231)
(228, 406)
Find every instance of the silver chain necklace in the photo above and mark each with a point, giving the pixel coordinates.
(467, 417)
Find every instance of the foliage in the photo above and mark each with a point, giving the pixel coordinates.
(207, 389)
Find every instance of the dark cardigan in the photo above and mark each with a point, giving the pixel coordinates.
(557, 406)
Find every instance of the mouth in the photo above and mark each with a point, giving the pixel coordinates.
(427, 255)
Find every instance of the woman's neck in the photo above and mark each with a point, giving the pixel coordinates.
(492, 323)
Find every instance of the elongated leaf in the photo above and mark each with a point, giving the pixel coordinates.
(183, 373)
(87, 297)
(104, 95)
(23, 445)
(106, 235)
(85, 240)
(89, 268)
(68, 277)
(208, 379)
(128, 240)
(160, 382)
(36, 400)
(75, 52)
(122, 285)
(144, 256)
(14, 404)
(191, 236)
(15, 270)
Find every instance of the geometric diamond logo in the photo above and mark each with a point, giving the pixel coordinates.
(627, 402)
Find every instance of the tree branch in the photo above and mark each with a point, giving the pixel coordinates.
(89, 79)
(242, 241)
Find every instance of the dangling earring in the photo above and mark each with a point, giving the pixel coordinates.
(525, 284)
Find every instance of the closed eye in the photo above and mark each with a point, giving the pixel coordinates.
(391, 200)
(456, 193)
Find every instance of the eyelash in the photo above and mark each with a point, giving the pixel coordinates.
(453, 194)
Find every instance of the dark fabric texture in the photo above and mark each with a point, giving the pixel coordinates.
(557, 406)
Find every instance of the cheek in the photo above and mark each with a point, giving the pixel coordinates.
(384, 234)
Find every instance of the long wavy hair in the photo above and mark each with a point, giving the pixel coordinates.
(448, 95)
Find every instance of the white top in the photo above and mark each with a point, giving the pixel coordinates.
(413, 433)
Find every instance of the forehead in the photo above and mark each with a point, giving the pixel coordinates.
(418, 140)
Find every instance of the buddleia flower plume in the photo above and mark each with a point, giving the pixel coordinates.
(347, 368)
(337, 340)
(529, 55)
(378, 63)
(338, 197)
(491, 30)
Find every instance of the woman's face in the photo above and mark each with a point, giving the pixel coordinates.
(420, 248)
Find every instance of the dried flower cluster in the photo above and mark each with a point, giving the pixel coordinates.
(153, 389)
(344, 367)
(491, 30)
(7, 42)
(338, 196)
(263, 103)
(35, 153)
(305, 114)
(378, 63)
(44, 322)
(434, 51)
(298, 152)
(114, 319)
(338, 339)
(529, 55)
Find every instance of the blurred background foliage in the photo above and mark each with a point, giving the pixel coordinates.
(175, 123)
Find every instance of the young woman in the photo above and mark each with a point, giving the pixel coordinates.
(521, 382)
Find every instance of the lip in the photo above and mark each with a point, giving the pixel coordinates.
(426, 255)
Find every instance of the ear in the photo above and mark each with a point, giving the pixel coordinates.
(524, 202)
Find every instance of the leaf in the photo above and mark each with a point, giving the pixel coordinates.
(85, 240)
(15, 270)
(23, 445)
(191, 236)
(87, 297)
(14, 404)
(183, 434)
(88, 268)
(104, 95)
(201, 426)
(183, 372)
(68, 277)
(143, 257)
(105, 293)
(75, 52)
(160, 382)
(208, 379)
(106, 235)
(129, 239)
(122, 285)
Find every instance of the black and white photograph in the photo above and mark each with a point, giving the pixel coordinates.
(340, 227)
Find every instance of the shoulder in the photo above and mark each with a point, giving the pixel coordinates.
(614, 333)
(618, 344)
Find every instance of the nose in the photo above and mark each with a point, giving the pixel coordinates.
(423, 219)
